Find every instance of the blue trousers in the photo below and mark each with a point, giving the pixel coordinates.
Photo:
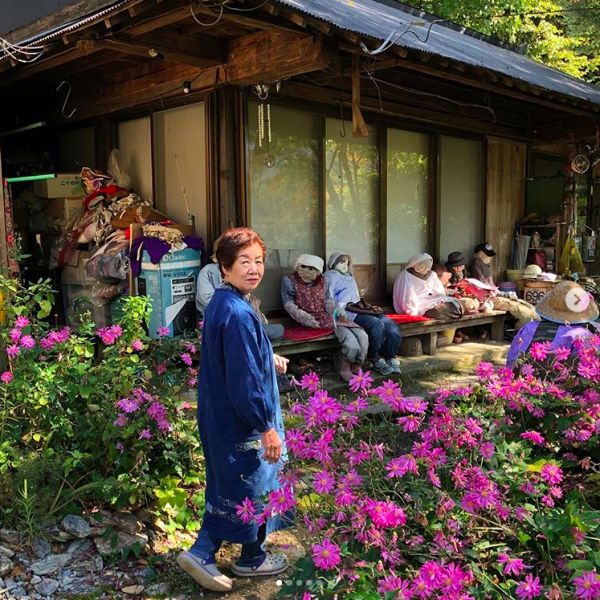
(253, 554)
(384, 335)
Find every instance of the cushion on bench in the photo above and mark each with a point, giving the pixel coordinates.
(404, 319)
(301, 334)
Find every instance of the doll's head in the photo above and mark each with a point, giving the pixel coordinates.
(484, 252)
(308, 267)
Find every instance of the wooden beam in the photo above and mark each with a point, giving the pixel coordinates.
(359, 127)
(270, 56)
(173, 52)
(158, 17)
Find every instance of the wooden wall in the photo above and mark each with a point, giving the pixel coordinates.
(505, 185)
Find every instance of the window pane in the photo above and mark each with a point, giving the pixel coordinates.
(283, 188)
(352, 180)
(407, 198)
(135, 144)
(461, 212)
(180, 146)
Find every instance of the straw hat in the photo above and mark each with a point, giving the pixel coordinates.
(555, 306)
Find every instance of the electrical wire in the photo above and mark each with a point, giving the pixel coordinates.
(215, 22)
(20, 53)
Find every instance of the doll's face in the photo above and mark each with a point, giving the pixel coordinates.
(307, 274)
(458, 269)
(484, 258)
(445, 277)
(423, 267)
(343, 265)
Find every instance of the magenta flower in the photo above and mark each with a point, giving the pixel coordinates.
(326, 555)
(13, 350)
(539, 350)
(551, 473)
(485, 370)
(6, 377)
(127, 405)
(120, 421)
(487, 449)
(361, 381)
(21, 322)
(323, 482)
(27, 342)
(535, 437)
(512, 566)
(246, 510)
(310, 382)
(145, 435)
(587, 586)
(186, 358)
(15, 334)
(137, 345)
(530, 588)
(163, 331)
(191, 348)
(281, 500)
(161, 368)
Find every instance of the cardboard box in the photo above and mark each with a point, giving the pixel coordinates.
(171, 285)
(64, 185)
(74, 271)
(64, 208)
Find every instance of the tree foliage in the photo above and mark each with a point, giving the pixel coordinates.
(563, 34)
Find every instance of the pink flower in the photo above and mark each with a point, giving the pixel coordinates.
(6, 377)
(137, 345)
(161, 368)
(326, 555)
(127, 405)
(534, 436)
(398, 467)
(13, 350)
(21, 322)
(310, 382)
(487, 450)
(530, 588)
(27, 342)
(163, 331)
(15, 334)
(485, 370)
(186, 358)
(410, 423)
(587, 586)
(281, 500)
(512, 566)
(551, 473)
(539, 350)
(120, 421)
(361, 381)
(246, 510)
(323, 482)
(145, 435)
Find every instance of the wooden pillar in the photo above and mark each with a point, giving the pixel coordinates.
(228, 160)
(3, 228)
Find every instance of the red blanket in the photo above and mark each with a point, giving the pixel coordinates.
(301, 334)
(404, 319)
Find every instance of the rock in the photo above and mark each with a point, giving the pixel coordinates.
(112, 544)
(13, 538)
(145, 516)
(80, 546)
(147, 573)
(66, 582)
(158, 589)
(51, 563)
(47, 587)
(123, 521)
(41, 548)
(94, 564)
(7, 551)
(35, 580)
(76, 526)
(6, 565)
(133, 589)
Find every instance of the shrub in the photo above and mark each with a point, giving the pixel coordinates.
(490, 502)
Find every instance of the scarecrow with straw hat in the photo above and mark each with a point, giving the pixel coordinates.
(568, 313)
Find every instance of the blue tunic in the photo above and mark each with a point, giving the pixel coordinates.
(238, 399)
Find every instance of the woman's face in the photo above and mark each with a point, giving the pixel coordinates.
(459, 269)
(247, 271)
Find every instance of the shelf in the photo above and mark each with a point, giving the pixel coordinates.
(541, 226)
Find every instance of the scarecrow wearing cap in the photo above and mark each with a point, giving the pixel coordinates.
(306, 297)
(480, 269)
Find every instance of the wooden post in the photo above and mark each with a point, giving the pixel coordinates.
(359, 127)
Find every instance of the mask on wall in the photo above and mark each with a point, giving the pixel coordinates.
(483, 257)
(307, 274)
(423, 267)
(343, 265)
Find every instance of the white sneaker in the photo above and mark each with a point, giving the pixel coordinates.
(395, 364)
(208, 576)
(272, 565)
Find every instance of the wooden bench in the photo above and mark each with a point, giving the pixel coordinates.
(427, 330)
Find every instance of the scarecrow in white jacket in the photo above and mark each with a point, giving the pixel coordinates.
(306, 298)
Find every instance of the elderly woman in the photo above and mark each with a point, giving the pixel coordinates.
(239, 418)
(568, 313)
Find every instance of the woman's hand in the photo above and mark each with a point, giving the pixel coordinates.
(272, 444)
(281, 363)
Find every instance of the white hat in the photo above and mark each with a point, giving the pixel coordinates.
(419, 258)
(309, 260)
(532, 272)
